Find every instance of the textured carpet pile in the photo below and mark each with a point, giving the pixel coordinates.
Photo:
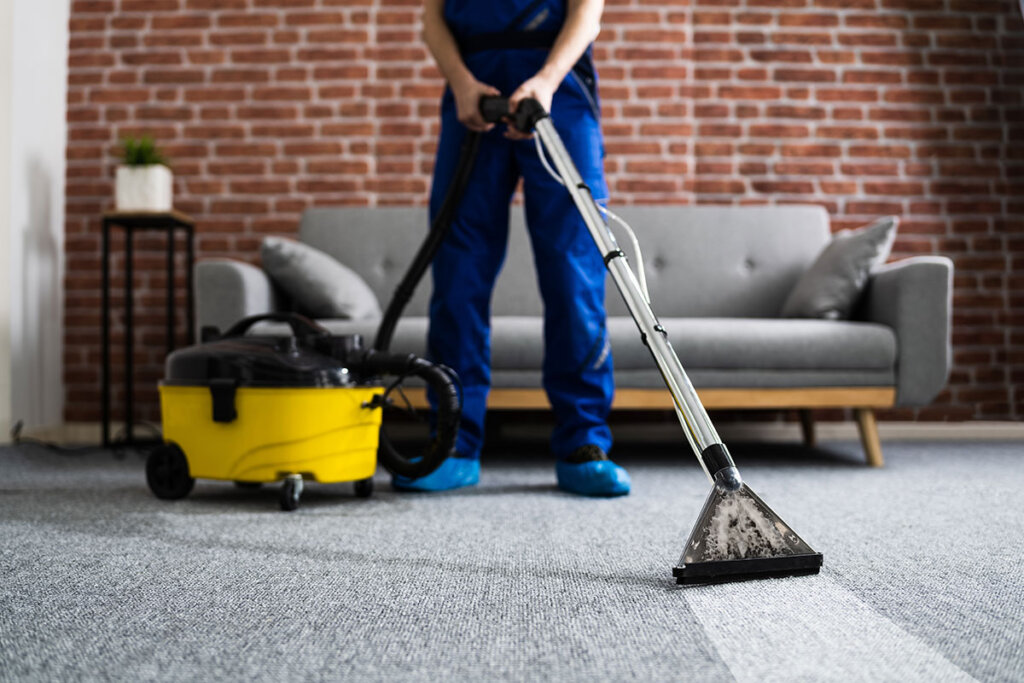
(923, 575)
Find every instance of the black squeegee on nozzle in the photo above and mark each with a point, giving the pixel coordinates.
(737, 535)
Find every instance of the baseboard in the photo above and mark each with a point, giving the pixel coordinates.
(826, 431)
(89, 432)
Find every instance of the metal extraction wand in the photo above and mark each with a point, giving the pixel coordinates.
(737, 536)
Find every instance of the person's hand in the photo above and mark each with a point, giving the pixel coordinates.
(467, 103)
(540, 88)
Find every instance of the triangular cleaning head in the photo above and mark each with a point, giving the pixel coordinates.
(738, 537)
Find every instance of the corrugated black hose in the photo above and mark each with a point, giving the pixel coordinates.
(442, 380)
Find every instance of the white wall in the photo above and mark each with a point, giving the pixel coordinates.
(6, 34)
(33, 52)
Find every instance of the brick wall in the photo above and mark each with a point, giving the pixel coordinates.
(867, 107)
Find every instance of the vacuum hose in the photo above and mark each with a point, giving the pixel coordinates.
(440, 379)
(373, 363)
(493, 108)
(425, 255)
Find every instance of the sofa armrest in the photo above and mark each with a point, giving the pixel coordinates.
(914, 297)
(229, 290)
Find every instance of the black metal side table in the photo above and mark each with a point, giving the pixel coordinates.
(132, 222)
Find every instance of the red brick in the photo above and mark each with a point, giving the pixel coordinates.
(801, 38)
(795, 56)
(173, 39)
(870, 169)
(768, 92)
(782, 186)
(173, 76)
(805, 75)
(803, 168)
(809, 19)
(240, 76)
(135, 58)
(238, 38)
(314, 18)
(214, 95)
(207, 56)
(890, 187)
(215, 132)
(177, 22)
(779, 131)
(216, 4)
(791, 112)
(797, 150)
(339, 167)
(247, 20)
(149, 5)
(847, 132)
(260, 186)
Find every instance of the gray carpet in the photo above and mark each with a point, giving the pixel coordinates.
(923, 575)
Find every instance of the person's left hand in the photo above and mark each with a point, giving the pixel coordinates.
(539, 88)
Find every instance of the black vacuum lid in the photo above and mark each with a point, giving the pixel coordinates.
(259, 360)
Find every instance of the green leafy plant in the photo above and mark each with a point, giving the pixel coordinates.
(141, 152)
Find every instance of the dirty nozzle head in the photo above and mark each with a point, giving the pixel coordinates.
(739, 537)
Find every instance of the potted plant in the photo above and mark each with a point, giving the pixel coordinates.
(143, 179)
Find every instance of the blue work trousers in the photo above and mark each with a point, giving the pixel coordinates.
(577, 369)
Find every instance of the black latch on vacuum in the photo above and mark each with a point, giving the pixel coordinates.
(223, 392)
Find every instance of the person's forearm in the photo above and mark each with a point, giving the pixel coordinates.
(441, 43)
(582, 24)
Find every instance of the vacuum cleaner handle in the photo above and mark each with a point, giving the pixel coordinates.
(494, 109)
(302, 327)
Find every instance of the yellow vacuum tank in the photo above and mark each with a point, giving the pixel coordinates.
(260, 409)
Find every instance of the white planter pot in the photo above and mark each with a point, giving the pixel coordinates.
(144, 188)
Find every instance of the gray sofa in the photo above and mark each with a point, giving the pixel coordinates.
(718, 277)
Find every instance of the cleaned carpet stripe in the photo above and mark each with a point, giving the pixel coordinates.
(815, 622)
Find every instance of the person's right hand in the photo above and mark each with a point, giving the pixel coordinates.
(467, 103)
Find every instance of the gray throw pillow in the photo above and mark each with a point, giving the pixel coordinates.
(319, 285)
(831, 286)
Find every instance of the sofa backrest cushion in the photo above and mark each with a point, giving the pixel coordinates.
(701, 260)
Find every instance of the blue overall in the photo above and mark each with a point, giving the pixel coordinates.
(577, 369)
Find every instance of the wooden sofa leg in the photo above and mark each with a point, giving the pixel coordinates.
(869, 436)
(807, 427)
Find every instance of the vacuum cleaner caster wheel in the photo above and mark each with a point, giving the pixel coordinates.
(167, 472)
(291, 491)
(364, 487)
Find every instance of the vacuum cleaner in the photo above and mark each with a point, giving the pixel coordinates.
(737, 535)
(257, 408)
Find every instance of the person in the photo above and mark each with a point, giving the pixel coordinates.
(537, 49)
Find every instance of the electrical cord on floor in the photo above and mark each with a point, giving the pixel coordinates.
(118, 448)
(641, 276)
(18, 440)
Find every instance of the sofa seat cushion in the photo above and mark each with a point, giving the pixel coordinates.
(722, 344)
(760, 343)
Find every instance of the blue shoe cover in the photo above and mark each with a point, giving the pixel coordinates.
(454, 473)
(595, 478)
